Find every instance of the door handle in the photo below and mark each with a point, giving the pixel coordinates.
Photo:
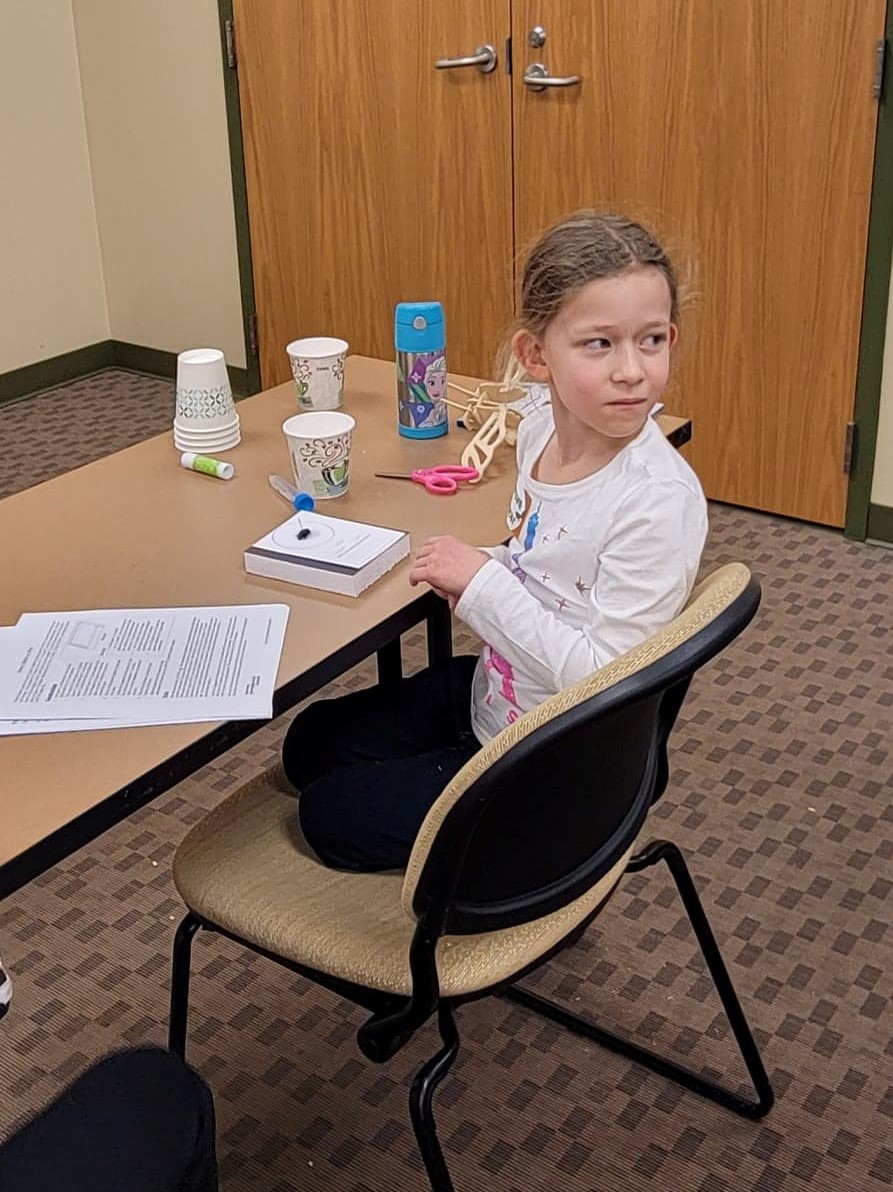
(483, 58)
(537, 78)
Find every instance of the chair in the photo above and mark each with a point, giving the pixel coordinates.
(492, 890)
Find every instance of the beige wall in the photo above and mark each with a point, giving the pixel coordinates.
(52, 296)
(153, 96)
(882, 487)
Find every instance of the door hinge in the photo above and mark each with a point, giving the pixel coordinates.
(252, 337)
(508, 55)
(229, 33)
(849, 448)
(880, 64)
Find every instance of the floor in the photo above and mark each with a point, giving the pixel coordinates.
(782, 796)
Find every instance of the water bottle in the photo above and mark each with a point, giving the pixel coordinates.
(420, 341)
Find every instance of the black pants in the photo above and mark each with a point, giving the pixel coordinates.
(139, 1121)
(369, 765)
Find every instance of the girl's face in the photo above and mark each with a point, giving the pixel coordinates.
(605, 355)
(435, 384)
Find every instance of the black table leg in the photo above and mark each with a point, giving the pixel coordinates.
(390, 663)
(440, 632)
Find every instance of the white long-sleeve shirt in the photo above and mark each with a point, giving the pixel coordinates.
(592, 569)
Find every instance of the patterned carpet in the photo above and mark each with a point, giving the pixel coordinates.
(782, 796)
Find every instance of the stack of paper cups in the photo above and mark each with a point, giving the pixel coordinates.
(206, 420)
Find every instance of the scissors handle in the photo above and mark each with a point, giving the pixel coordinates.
(445, 478)
(439, 483)
(457, 471)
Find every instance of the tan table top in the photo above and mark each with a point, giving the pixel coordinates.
(136, 530)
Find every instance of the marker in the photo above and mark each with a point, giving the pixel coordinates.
(210, 467)
(302, 502)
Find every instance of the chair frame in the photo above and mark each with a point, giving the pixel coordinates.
(394, 1019)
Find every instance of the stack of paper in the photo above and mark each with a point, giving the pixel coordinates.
(119, 668)
(329, 553)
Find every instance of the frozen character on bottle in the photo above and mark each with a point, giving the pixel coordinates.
(427, 386)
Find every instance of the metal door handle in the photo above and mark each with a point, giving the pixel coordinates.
(484, 58)
(537, 78)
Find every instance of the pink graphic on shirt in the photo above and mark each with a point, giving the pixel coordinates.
(495, 662)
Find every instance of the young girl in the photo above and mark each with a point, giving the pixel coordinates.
(607, 527)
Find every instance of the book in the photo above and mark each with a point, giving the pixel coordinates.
(335, 556)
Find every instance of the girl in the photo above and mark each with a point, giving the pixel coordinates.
(607, 527)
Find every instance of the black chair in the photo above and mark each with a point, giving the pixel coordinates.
(519, 854)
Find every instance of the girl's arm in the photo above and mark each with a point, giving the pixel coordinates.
(646, 570)
(499, 553)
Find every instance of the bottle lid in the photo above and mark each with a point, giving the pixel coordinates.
(303, 502)
(419, 326)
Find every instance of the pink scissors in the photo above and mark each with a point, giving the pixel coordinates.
(442, 480)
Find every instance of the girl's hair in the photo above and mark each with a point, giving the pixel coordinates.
(581, 248)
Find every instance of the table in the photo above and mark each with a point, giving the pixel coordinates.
(136, 530)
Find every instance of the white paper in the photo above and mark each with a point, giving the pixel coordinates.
(26, 728)
(331, 540)
(126, 667)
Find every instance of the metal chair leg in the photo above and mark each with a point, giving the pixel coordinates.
(663, 850)
(421, 1097)
(180, 958)
(439, 630)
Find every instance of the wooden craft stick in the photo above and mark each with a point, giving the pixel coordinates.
(480, 450)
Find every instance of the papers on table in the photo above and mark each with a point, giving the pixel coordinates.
(120, 668)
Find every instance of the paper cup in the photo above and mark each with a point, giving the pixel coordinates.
(319, 446)
(192, 427)
(317, 365)
(204, 396)
(206, 444)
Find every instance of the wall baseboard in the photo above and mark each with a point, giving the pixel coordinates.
(880, 523)
(110, 353)
(58, 370)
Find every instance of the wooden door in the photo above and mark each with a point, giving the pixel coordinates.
(744, 134)
(372, 177)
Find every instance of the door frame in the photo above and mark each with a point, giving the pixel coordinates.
(240, 197)
(875, 296)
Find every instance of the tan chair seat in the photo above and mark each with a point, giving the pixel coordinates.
(246, 869)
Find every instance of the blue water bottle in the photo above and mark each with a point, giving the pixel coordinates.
(420, 341)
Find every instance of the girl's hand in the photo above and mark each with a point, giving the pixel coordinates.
(448, 564)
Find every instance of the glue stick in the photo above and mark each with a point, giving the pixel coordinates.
(204, 463)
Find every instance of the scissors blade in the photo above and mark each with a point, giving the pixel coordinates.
(394, 475)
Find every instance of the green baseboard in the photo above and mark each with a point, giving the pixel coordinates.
(58, 370)
(110, 353)
(880, 523)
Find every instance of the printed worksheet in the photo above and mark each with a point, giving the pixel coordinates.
(141, 666)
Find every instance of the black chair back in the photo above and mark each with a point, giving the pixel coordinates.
(542, 821)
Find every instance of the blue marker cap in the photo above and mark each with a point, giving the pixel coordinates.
(303, 502)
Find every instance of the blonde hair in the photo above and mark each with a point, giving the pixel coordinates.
(582, 248)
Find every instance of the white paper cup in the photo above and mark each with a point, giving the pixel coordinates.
(206, 444)
(317, 365)
(319, 446)
(204, 396)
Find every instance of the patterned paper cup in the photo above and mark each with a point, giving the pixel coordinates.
(317, 365)
(319, 446)
(204, 396)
